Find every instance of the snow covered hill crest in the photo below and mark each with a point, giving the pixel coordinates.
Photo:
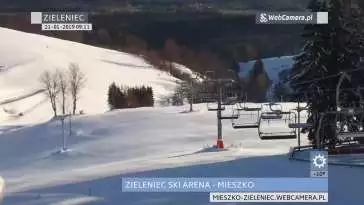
(24, 57)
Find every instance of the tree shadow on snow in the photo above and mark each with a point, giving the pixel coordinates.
(109, 188)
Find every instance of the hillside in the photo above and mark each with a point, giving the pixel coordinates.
(24, 57)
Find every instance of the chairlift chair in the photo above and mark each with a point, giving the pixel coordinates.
(245, 108)
(277, 135)
(229, 101)
(238, 125)
(298, 109)
(342, 135)
(211, 107)
(291, 134)
(271, 114)
(356, 135)
(234, 115)
(251, 109)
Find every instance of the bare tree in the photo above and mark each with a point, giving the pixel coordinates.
(76, 83)
(50, 84)
(63, 88)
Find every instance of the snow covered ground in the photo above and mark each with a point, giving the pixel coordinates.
(148, 142)
(104, 147)
(24, 57)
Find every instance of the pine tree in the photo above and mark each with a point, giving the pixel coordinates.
(329, 49)
(111, 99)
(258, 84)
(150, 96)
(120, 99)
(132, 99)
(116, 97)
(281, 89)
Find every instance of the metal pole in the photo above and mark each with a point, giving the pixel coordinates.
(318, 143)
(63, 135)
(220, 143)
(70, 125)
(299, 130)
(192, 92)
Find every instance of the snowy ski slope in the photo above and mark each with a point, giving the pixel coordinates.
(24, 56)
(149, 142)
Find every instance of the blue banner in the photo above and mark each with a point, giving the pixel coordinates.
(225, 184)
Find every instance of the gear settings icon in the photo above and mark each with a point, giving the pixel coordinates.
(319, 161)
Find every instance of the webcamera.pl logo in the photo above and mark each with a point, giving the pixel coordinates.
(263, 18)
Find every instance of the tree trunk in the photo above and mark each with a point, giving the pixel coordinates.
(192, 93)
(63, 104)
(74, 106)
(54, 107)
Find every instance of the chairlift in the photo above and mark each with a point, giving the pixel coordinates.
(244, 107)
(356, 134)
(214, 107)
(251, 109)
(239, 125)
(275, 107)
(229, 101)
(298, 109)
(234, 115)
(270, 113)
(291, 134)
(343, 135)
(277, 135)
(271, 116)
